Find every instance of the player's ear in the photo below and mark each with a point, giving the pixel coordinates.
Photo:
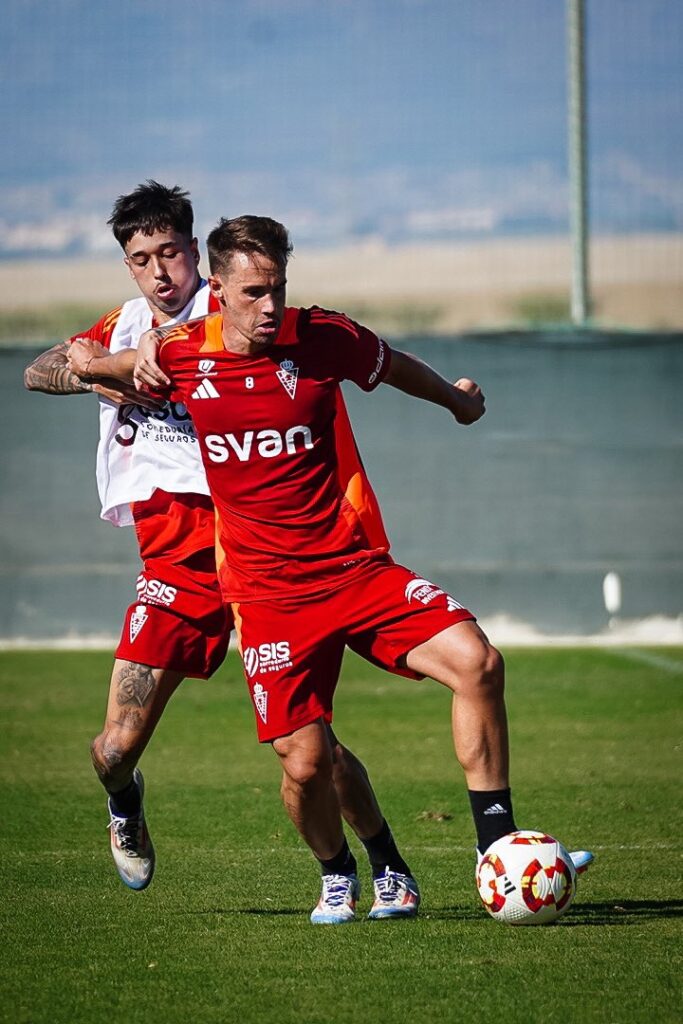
(216, 287)
(194, 249)
(130, 269)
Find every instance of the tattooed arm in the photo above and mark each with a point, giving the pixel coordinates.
(81, 366)
(50, 374)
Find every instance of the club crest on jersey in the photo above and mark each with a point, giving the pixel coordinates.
(137, 621)
(288, 375)
(206, 368)
(261, 701)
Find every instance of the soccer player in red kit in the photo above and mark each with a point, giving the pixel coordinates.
(304, 573)
(150, 475)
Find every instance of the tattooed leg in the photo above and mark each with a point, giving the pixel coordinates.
(138, 695)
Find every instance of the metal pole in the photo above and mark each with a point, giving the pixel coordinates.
(580, 305)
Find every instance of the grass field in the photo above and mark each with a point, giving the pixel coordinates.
(222, 935)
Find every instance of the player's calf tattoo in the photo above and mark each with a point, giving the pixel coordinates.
(135, 685)
(106, 760)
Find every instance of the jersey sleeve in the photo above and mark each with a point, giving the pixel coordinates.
(102, 331)
(354, 352)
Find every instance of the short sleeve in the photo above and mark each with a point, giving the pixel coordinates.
(354, 352)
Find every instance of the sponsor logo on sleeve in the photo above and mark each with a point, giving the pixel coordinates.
(379, 364)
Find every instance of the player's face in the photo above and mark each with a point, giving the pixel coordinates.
(252, 294)
(164, 267)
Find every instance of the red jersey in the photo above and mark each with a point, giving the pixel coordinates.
(296, 512)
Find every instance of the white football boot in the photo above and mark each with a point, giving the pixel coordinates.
(131, 845)
(337, 904)
(396, 895)
(582, 860)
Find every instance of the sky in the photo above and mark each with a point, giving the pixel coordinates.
(400, 120)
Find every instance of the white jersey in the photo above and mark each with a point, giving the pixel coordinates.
(140, 451)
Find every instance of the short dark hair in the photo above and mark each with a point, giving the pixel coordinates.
(247, 234)
(151, 207)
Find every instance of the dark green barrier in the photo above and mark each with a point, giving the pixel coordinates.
(575, 471)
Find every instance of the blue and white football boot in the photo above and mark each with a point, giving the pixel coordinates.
(131, 845)
(396, 895)
(337, 904)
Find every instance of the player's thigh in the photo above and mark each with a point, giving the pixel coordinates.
(395, 612)
(456, 656)
(138, 695)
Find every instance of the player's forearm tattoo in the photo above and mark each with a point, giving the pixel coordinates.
(135, 685)
(49, 373)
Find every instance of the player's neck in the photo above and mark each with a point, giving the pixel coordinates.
(240, 345)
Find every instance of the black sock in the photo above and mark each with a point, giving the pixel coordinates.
(343, 864)
(383, 853)
(492, 813)
(126, 802)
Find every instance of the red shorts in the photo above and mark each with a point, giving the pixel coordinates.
(292, 650)
(179, 621)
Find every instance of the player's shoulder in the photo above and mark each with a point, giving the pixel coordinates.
(189, 335)
(329, 319)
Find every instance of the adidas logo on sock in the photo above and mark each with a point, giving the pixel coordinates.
(495, 809)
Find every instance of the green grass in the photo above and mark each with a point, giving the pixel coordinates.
(38, 326)
(542, 309)
(222, 935)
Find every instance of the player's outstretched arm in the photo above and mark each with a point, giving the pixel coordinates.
(463, 399)
(111, 373)
(50, 373)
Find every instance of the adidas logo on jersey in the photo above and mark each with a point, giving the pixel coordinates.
(206, 390)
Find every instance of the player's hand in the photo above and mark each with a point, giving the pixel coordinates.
(81, 354)
(470, 404)
(147, 373)
(127, 394)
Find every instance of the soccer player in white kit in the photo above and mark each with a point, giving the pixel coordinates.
(149, 475)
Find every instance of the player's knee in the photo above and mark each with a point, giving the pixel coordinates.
(113, 754)
(480, 670)
(306, 768)
(489, 670)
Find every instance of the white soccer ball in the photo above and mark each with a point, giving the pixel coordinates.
(526, 878)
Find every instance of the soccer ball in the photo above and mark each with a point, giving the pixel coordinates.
(526, 878)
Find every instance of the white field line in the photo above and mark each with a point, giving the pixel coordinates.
(675, 668)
